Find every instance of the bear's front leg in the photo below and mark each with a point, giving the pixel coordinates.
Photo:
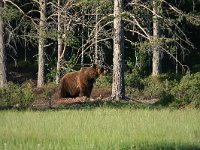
(85, 90)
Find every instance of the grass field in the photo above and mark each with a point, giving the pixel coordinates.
(100, 128)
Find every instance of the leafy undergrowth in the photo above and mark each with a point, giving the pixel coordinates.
(163, 91)
(100, 128)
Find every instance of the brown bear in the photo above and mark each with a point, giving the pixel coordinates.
(79, 83)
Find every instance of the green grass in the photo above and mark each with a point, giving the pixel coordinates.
(100, 128)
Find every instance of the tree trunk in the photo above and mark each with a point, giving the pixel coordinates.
(41, 47)
(176, 60)
(156, 60)
(118, 86)
(96, 59)
(82, 49)
(59, 45)
(82, 39)
(2, 51)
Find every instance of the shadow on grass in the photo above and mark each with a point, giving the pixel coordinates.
(106, 104)
(87, 105)
(163, 146)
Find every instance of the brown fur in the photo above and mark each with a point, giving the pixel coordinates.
(79, 83)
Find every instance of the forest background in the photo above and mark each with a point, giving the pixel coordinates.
(42, 40)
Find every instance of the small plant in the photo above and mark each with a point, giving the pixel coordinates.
(51, 75)
(49, 90)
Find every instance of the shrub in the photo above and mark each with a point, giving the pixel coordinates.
(49, 90)
(4, 97)
(188, 90)
(14, 95)
(154, 87)
(134, 80)
(104, 81)
(27, 95)
(185, 92)
(166, 99)
(51, 75)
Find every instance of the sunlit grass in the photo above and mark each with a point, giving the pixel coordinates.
(101, 128)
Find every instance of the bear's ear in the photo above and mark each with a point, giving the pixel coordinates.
(94, 65)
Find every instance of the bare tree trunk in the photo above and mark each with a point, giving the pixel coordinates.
(156, 60)
(82, 50)
(118, 86)
(2, 51)
(96, 39)
(41, 47)
(59, 45)
(82, 39)
(176, 60)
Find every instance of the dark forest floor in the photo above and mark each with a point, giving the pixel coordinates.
(98, 97)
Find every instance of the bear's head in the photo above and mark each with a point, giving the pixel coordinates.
(98, 69)
(94, 71)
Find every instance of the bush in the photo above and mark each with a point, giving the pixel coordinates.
(182, 93)
(165, 99)
(134, 80)
(104, 81)
(188, 90)
(49, 90)
(14, 95)
(27, 95)
(154, 87)
(145, 88)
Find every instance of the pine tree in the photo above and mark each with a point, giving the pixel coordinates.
(41, 47)
(118, 86)
(2, 51)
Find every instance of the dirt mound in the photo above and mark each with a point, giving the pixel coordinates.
(97, 94)
(102, 93)
(67, 101)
